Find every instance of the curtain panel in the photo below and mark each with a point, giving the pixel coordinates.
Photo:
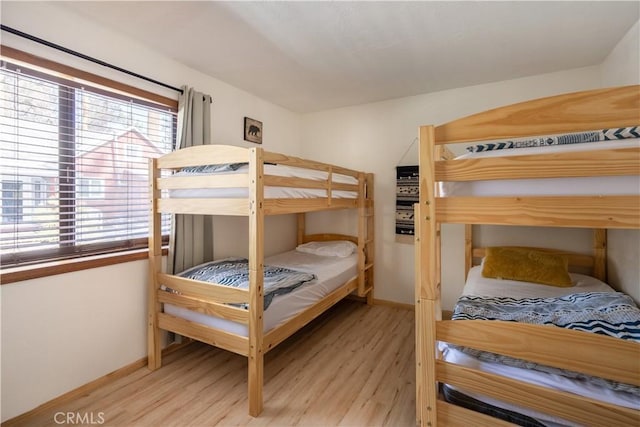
(191, 241)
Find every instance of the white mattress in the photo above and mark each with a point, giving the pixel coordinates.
(271, 192)
(331, 273)
(607, 185)
(478, 285)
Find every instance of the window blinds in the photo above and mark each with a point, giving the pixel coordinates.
(74, 166)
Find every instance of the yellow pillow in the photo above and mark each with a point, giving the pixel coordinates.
(527, 265)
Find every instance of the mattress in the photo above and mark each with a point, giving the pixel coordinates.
(482, 286)
(269, 191)
(602, 185)
(331, 273)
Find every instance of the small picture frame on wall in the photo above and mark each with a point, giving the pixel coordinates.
(252, 130)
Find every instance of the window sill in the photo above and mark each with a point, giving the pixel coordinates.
(19, 274)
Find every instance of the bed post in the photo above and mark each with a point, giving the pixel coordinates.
(155, 264)
(427, 283)
(468, 249)
(301, 227)
(365, 236)
(370, 238)
(256, 278)
(600, 254)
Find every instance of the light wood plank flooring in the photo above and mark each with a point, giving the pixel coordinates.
(353, 366)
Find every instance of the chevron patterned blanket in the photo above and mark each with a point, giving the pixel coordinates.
(609, 313)
(234, 272)
(571, 138)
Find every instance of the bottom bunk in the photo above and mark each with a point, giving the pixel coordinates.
(504, 357)
(326, 274)
(212, 302)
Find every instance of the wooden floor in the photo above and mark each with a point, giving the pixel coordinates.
(353, 366)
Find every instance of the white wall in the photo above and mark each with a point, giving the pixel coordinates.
(375, 136)
(622, 67)
(61, 332)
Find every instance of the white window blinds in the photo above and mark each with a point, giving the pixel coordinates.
(74, 166)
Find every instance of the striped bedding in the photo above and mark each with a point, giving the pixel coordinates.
(234, 272)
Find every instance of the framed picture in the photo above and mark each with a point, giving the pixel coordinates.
(252, 130)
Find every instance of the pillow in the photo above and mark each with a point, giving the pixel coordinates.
(339, 248)
(527, 265)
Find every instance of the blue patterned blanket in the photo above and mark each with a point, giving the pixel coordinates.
(608, 313)
(235, 273)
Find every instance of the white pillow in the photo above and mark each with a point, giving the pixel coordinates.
(339, 248)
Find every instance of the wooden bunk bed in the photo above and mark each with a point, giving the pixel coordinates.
(589, 353)
(251, 183)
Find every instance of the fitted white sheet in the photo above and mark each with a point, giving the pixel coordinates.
(478, 285)
(331, 273)
(269, 191)
(602, 185)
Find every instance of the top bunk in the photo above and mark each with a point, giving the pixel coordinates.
(231, 180)
(567, 184)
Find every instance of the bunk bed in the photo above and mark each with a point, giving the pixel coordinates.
(252, 182)
(579, 206)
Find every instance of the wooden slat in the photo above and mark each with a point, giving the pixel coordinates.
(621, 161)
(204, 181)
(456, 416)
(209, 308)
(216, 337)
(573, 112)
(556, 211)
(338, 186)
(283, 181)
(572, 350)
(207, 291)
(282, 159)
(282, 332)
(569, 406)
(233, 207)
(211, 154)
(285, 206)
(286, 181)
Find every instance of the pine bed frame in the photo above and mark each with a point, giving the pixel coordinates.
(215, 299)
(574, 350)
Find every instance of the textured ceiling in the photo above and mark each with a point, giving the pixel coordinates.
(311, 56)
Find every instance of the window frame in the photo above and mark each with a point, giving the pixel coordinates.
(44, 268)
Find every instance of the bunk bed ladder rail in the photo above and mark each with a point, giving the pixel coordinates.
(365, 236)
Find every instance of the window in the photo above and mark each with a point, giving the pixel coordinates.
(91, 188)
(11, 202)
(73, 166)
(39, 191)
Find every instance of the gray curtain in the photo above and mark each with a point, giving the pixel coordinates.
(191, 241)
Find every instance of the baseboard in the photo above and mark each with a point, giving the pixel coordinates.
(23, 419)
(393, 304)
